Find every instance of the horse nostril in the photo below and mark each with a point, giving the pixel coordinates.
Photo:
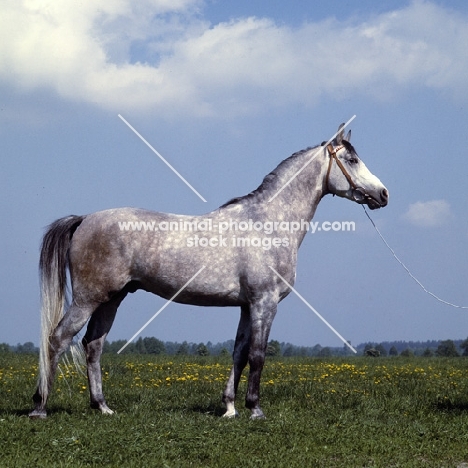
(384, 195)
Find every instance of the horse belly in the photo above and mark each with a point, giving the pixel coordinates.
(195, 286)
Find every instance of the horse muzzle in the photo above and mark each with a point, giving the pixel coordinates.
(374, 201)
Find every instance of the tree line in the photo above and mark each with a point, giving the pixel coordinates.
(444, 348)
(152, 345)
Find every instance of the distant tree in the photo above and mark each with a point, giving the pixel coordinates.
(140, 346)
(5, 348)
(372, 352)
(273, 348)
(325, 352)
(129, 347)
(393, 351)
(106, 347)
(202, 350)
(153, 345)
(346, 349)
(288, 351)
(171, 347)
(224, 352)
(380, 348)
(183, 349)
(428, 353)
(229, 345)
(464, 346)
(447, 348)
(407, 353)
(27, 348)
(316, 350)
(115, 346)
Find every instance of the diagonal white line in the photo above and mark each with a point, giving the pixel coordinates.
(161, 309)
(395, 256)
(313, 310)
(162, 158)
(311, 159)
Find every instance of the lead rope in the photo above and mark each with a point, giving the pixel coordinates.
(407, 270)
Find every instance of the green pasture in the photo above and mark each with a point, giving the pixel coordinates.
(353, 412)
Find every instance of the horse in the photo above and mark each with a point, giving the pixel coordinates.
(242, 254)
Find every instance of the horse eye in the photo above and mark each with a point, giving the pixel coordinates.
(353, 160)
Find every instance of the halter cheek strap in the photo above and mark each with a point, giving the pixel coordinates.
(332, 151)
(359, 194)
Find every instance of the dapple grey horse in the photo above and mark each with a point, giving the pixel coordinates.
(232, 256)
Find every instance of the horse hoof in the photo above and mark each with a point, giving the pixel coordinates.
(231, 414)
(257, 414)
(38, 414)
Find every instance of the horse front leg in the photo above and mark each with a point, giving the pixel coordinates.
(240, 358)
(93, 342)
(262, 316)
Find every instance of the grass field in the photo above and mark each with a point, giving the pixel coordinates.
(355, 412)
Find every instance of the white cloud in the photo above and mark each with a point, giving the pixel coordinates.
(88, 53)
(428, 214)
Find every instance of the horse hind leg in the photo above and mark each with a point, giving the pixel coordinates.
(59, 341)
(240, 358)
(98, 327)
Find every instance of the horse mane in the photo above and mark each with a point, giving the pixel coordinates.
(268, 180)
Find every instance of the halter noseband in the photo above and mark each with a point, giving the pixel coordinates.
(359, 194)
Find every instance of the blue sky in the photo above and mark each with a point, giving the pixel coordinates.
(225, 91)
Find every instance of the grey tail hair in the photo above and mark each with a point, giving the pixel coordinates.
(53, 265)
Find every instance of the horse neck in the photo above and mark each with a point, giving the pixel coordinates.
(286, 195)
(300, 197)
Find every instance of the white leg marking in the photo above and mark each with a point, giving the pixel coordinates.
(230, 411)
(106, 410)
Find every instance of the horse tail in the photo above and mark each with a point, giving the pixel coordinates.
(53, 265)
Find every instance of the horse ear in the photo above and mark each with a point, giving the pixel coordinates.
(340, 134)
(348, 137)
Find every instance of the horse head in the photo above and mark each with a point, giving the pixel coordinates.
(348, 177)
